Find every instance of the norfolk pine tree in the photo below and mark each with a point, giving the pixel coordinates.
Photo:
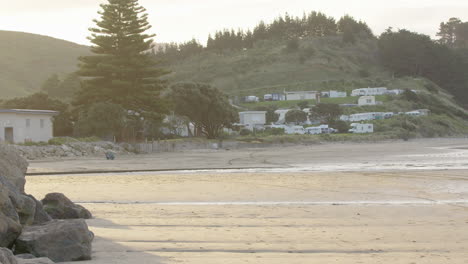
(121, 71)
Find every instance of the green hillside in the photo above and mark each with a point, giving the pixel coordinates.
(317, 64)
(26, 60)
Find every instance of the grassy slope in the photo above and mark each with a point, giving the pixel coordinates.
(26, 60)
(268, 67)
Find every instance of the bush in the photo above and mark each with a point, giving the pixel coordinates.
(31, 143)
(364, 73)
(58, 141)
(245, 132)
(292, 45)
(275, 131)
(341, 126)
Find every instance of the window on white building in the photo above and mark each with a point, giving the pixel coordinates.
(42, 123)
(28, 122)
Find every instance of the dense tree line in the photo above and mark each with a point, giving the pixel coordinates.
(411, 54)
(63, 89)
(454, 33)
(314, 24)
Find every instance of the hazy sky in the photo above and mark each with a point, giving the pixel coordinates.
(180, 20)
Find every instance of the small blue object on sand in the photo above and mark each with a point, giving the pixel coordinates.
(110, 155)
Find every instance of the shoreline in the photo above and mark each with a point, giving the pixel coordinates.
(436, 154)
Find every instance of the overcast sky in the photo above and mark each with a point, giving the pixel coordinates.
(181, 20)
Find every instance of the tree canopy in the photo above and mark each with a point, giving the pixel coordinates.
(105, 120)
(296, 117)
(283, 28)
(326, 112)
(207, 107)
(411, 54)
(121, 71)
(62, 89)
(454, 33)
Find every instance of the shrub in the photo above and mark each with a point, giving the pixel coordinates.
(245, 132)
(292, 45)
(364, 73)
(275, 131)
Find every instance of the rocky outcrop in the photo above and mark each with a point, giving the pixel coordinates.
(12, 166)
(26, 226)
(72, 149)
(40, 215)
(59, 240)
(10, 226)
(15, 207)
(6, 256)
(58, 206)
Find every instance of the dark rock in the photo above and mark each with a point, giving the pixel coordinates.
(6, 256)
(15, 207)
(13, 167)
(58, 206)
(40, 215)
(59, 240)
(10, 226)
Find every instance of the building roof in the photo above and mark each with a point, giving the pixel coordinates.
(253, 112)
(29, 111)
(300, 92)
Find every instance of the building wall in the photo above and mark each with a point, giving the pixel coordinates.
(301, 96)
(23, 132)
(366, 100)
(336, 94)
(369, 91)
(362, 128)
(252, 118)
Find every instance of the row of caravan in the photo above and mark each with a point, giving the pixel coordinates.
(356, 128)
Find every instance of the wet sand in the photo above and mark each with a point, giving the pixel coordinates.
(280, 214)
(397, 155)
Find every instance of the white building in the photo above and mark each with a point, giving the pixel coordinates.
(366, 100)
(366, 116)
(369, 91)
(334, 94)
(253, 119)
(419, 112)
(23, 125)
(274, 97)
(395, 92)
(302, 95)
(361, 128)
(251, 99)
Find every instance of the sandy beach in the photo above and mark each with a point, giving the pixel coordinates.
(394, 202)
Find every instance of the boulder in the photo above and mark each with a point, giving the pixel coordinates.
(58, 206)
(16, 208)
(13, 167)
(34, 261)
(6, 256)
(59, 240)
(40, 216)
(10, 226)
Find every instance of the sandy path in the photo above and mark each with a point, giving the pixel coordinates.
(347, 217)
